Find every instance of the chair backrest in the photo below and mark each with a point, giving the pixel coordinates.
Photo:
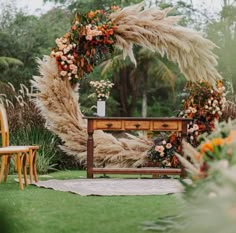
(4, 126)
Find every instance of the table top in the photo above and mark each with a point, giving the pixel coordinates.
(138, 118)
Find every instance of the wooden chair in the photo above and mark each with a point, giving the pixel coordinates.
(23, 154)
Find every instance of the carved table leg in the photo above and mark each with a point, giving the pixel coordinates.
(90, 144)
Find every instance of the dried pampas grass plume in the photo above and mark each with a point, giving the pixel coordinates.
(151, 28)
(154, 29)
(57, 101)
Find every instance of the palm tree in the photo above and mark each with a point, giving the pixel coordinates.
(157, 73)
(152, 73)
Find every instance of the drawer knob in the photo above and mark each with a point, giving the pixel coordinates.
(137, 125)
(109, 125)
(165, 125)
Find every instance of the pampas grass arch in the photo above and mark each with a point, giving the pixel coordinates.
(152, 28)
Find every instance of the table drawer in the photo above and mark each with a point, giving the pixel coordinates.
(165, 125)
(137, 125)
(105, 124)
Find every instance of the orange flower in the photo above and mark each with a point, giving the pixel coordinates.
(67, 35)
(99, 11)
(209, 146)
(91, 14)
(109, 32)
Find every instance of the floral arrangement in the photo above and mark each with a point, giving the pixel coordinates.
(90, 39)
(161, 153)
(164, 149)
(211, 191)
(204, 105)
(217, 146)
(102, 88)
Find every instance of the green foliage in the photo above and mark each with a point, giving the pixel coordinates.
(46, 141)
(222, 32)
(6, 62)
(20, 44)
(26, 38)
(8, 12)
(84, 6)
(158, 107)
(154, 77)
(60, 22)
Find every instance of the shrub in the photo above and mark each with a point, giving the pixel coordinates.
(48, 143)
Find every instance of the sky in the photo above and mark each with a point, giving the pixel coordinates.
(37, 6)
(34, 6)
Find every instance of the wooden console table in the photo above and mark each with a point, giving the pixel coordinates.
(128, 124)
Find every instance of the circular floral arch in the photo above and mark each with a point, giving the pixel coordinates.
(94, 35)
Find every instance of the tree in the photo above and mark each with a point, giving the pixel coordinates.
(8, 12)
(86, 5)
(223, 32)
(139, 88)
(26, 38)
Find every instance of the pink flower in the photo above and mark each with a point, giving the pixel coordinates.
(59, 54)
(159, 149)
(88, 27)
(89, 37)
(74, 71)
(194, 110)
(168, 145)
(195, 127)
(63, 73)
(64, 58)
(162, 154)
(73, 67)
(190, 130)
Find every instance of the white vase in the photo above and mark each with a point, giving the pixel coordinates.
(101, 108)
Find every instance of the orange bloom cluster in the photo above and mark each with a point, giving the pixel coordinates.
(209, 146)
(90, 39)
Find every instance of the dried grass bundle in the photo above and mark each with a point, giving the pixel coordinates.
(57, 101)
(153, 29)
(21, 112)
(150, 28)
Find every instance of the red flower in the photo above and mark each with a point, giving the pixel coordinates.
(73, 28)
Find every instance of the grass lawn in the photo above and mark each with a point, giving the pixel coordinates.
(38, 210)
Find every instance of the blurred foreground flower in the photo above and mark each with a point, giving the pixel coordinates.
(209, 201)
